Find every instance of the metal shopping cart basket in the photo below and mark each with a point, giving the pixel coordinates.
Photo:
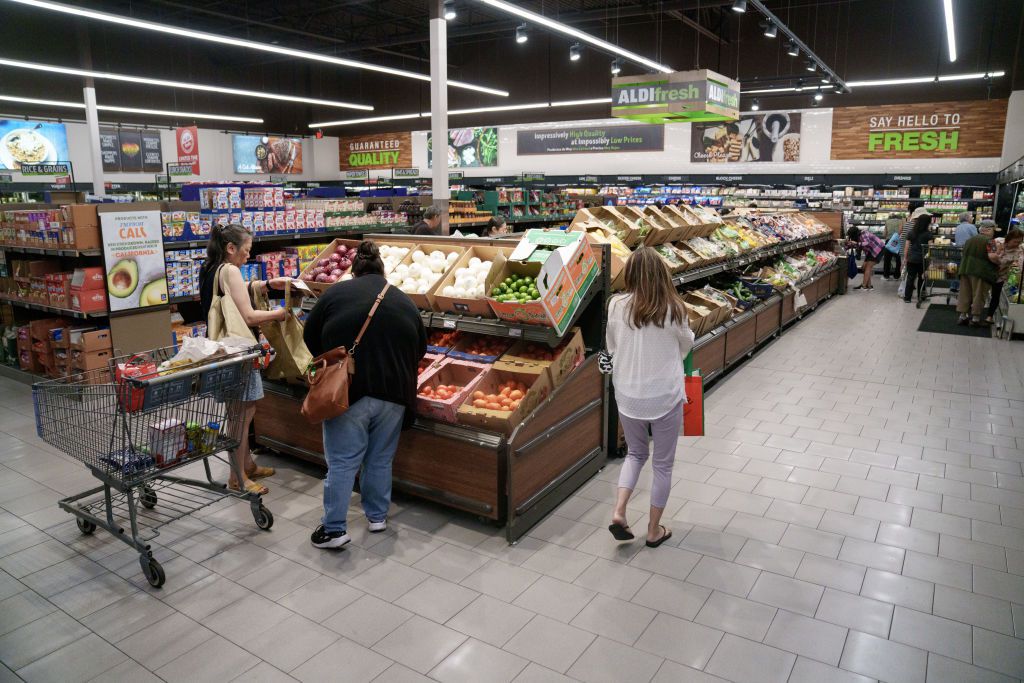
(941, 268)
(134, 432)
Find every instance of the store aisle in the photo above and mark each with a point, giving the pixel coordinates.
(857, 505)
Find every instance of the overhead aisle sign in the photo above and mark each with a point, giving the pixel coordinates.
(679, 97)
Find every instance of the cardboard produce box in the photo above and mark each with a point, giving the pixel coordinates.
(538, 387)
(422, 301)
(664, 227)
(81, 215)
(88, 300)
(91, 360)
(536, 358)
(449, 372)
(442, 341)
(704, 314)
(619, 252)
(463, 305)
(429, 362)
(623, 223)
(479, 348)
(321, 287)
(720, 312)
(90, 340)
(40, 329)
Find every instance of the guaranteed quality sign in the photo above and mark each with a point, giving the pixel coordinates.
(919, 131)
(386, 150)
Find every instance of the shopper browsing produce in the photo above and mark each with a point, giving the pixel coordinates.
(872, 247)
(965, 230)
(978, 272)
(496, 227)
(227, 250)
(431, 223)
(917, 242)
(648, 337)
(1007, 253)
(382, 392)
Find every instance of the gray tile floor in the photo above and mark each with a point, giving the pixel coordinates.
(855, 512)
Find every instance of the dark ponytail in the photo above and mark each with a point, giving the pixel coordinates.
(217, 248)
(367, 260)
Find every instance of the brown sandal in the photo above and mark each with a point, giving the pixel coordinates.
(251, 487)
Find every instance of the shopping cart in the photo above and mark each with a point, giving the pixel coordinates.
(133, 433)
(941, 265)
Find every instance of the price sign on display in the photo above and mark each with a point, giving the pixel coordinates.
(449, 324)
(357, 175)
(456, 175)
(179, 169)
(405, 173)
(45, 169)
(533, 177)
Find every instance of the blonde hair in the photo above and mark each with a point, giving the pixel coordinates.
(654, 297)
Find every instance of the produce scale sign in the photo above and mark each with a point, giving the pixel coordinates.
(774, 136)
(31, 142)
(919, 131)
(468, 147)
(133, 252)
(187, 139)
(266, 154)
(682, 96)
(386, 150)
(582, 139)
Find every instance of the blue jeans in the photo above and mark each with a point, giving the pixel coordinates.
(365, 437)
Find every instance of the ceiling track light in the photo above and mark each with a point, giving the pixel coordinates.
(535, 19)
(770, 29)
(178, 84)
(616, 66)
(739, 6)
(809, 65)
(575, 50)
(826, 80)
(449, 10)
(792, 49)
(799, 85)
(521, 35)
(818, 96)
(183, 32)
(130, 110)
(755, 105)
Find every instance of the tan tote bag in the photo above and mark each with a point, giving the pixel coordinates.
(329, 376)
(224, 319)
(291, 357)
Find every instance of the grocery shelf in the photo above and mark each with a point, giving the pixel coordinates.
(19, 375)
(329, 233)
(74, 253)
(53, 309)
(746, 259)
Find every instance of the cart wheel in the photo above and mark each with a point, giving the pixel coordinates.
(85, 526)
(148, 497)
(153, 571)
(264, 520)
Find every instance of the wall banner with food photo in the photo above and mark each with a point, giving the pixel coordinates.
(265, 154)
(31, 142)
(773, 136)
(468, 147)
(133, 251)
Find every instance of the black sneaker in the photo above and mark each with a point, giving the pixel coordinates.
(321, 538)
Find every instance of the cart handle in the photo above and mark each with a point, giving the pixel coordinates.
(194, 371)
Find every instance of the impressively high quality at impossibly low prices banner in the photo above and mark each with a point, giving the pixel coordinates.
(256, 154)
(582, 139)
(773, 136)
(133, 250)
(31, 142)
(468, 147)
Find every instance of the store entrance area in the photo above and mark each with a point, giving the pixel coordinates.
(855, 512)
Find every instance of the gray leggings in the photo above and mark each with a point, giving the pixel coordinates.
(664, 431)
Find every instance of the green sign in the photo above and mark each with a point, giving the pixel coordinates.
(677, 97)
(455, 175)
(357, 175)
(179, 169)
(914, 141)
(405, 173)
(533, 177)
(6, 178)
(44, 169)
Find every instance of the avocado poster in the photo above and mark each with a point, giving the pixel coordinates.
(133, 253)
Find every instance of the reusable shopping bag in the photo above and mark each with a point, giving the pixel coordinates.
(131, 397)
(851, 266)
(291, 355)
(893, 244)
(693, 409)
(224, 319)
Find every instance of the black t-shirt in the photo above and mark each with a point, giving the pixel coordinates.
(422, 228)
(388, 356)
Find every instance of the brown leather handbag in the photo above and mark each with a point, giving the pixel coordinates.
(329, 374)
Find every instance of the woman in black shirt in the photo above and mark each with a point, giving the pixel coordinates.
(382, 392)
(917, 242)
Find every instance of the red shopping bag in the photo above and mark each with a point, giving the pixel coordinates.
(132, 397)
(693, 410)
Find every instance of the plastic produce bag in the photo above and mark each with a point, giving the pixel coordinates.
(901, 291)
(285, 337)
(195, 349)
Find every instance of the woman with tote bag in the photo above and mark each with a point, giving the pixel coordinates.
(227, 307)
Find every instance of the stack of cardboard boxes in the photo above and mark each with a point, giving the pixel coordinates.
(90, 353)
(88, 290)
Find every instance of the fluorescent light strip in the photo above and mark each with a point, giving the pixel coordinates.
(252, 45)
(455, 112)
(178, 84)
(540, 19)
(925, 79)
(131, 110)
(947, 7)
(789, 89)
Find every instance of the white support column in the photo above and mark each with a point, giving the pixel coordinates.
(439, 109)
(92, 122)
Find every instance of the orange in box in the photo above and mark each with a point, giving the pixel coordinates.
(537, 358)
(447, 373)
(538, 387)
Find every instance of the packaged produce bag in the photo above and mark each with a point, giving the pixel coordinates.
(130, 397)
(291, 355)
(693, 409)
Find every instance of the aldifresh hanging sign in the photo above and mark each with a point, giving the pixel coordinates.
(701, 95)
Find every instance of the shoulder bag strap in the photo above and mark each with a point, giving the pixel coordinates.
(216, 281)
(369, 317)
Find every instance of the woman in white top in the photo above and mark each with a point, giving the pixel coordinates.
(648, 337)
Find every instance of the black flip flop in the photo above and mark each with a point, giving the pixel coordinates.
(621, 532)
(667, 535)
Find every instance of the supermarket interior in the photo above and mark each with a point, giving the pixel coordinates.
(285, 398)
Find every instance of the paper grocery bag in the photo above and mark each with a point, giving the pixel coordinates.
(291, 355)
(693, 411)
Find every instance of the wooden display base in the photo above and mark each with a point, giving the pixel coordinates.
(516, 480)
